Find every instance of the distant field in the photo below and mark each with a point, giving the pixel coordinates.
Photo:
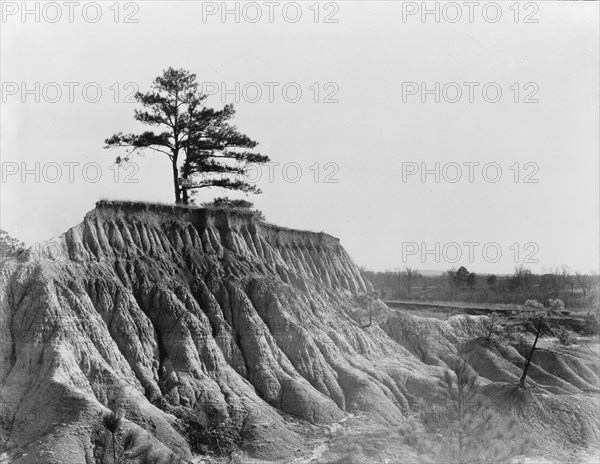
(461, 304)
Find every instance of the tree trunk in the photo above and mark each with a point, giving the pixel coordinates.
(461, 445)
(176, 182)
(529, 356)
(114, 449)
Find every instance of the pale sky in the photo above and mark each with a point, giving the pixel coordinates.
(375, 128)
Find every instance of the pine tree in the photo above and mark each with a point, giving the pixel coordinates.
(203, 148)
(466, 429)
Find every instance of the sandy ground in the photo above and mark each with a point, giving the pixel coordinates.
(357, 439)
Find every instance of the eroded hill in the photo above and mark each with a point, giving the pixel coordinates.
(209, 314)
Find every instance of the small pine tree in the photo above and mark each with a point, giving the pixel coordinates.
(112, 421)
(465, 431)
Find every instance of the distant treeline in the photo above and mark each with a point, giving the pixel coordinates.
(576, 290)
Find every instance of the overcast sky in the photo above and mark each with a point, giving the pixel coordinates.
(374, 130)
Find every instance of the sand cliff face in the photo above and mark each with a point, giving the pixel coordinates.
(205, 310)
(210, 312)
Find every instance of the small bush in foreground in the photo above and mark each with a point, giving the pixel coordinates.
(462, 429)
(565, 337)
(211, 434)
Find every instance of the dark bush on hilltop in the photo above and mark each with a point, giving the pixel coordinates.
(224, 202)
(228, 203)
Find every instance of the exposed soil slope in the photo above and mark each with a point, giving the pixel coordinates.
(218, 314)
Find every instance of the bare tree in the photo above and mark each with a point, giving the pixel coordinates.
(452, 280)
(492, 327)
(584, 281)
(367, 300)
(411, 275)
(572, 281)
(522, 278)
(564, 276)
(537, 321)
(553, 283)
